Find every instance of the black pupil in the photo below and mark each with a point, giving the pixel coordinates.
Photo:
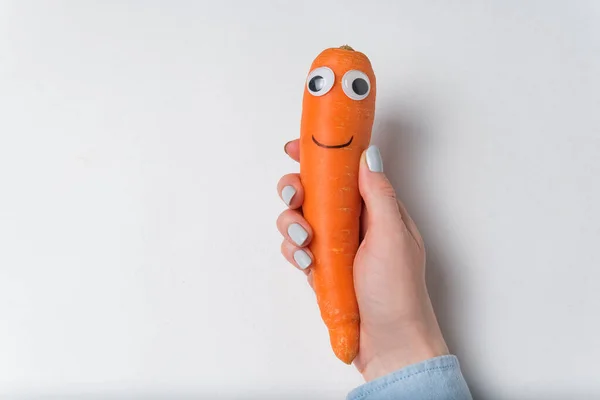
(360, 86)
(316, 83)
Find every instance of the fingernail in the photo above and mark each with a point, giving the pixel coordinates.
(287, 193)
(302, 259)
(374, 161)
(285, 147)
(297, 233)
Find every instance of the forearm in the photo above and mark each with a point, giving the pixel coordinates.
(438, 378)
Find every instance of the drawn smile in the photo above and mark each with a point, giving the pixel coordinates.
(337, 146)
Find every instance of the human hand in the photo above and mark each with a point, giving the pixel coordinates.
(398, 325)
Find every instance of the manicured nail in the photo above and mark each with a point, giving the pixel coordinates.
(297, 233)
(374, 161)
(302, 259)
(287, 193)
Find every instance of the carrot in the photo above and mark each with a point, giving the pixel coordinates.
(338, 110)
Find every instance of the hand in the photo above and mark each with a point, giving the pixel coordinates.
(398, 324)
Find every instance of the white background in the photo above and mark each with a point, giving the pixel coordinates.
(140, 146)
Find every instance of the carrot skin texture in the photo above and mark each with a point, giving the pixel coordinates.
(332, 202)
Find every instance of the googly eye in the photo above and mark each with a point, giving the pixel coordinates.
(320, 81)
(356, 84)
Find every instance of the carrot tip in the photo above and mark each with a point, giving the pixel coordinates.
(344, 341)
(346, 47)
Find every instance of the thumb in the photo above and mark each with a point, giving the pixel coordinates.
(376, 190)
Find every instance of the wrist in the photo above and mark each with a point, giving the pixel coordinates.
(409, 349)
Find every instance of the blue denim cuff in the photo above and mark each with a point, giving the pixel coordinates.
(438, 378)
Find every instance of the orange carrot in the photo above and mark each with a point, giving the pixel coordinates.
(338, 109)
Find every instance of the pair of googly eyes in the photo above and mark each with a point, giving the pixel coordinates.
(355, 84)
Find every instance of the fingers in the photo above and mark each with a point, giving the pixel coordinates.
(292, 149)
(309, 278)
(294, 228)
(364, 219)
(382, 208)
(376, 190)
(410, 224)
(291, 191)
(291, 224)
(300, 258)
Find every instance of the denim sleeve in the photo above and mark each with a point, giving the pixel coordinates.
(438, 378)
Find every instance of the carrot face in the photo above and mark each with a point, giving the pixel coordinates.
(338, 110)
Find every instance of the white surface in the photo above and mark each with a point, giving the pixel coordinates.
(140, 145)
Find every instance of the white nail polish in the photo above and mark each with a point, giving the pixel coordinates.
(297, 233)
(287, 193)
(302, 259)
(374, 160)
